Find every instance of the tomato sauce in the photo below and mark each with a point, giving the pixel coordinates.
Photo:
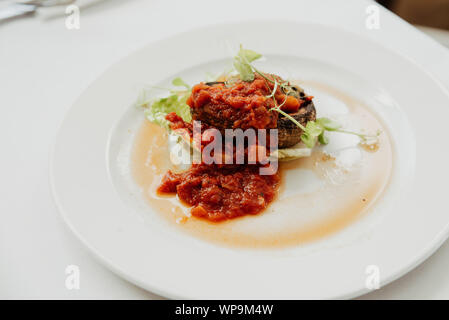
(223, 192)
(218, 192)
(241, 105)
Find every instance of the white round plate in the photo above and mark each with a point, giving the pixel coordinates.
(90, 174)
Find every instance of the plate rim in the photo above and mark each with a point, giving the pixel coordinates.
(420, 257)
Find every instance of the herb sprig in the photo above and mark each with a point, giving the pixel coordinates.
(314, 130)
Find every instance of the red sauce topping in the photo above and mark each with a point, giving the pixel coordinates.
(242, 105)
(222, 192)
(219, 192)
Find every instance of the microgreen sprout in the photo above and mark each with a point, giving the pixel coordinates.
(275, 87)
(313, 131)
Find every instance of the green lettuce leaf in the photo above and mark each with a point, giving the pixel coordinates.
(156, 109)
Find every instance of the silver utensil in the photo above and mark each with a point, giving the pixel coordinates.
(45, 3)
(16, 10)
(27, 7)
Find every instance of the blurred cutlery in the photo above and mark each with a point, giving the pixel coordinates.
(25, 7)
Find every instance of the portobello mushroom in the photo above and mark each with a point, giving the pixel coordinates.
(222, 116)
(289, 133)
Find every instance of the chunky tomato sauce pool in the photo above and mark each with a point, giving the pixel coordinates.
(219, 192)
(222, 192)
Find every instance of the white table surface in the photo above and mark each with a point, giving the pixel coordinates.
(44, 67)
